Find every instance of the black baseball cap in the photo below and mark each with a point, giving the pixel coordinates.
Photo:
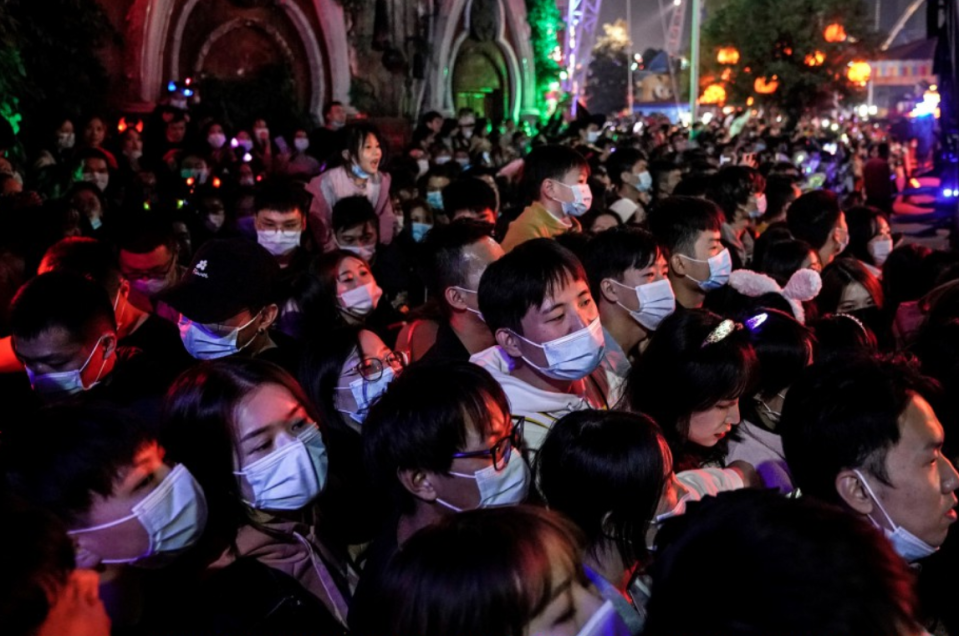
(225, 277)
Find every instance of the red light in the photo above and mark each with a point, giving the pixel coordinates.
(188, 81)
(122, 125)
(189, 181)
(259, 177)
(216, 182)
(914, 183)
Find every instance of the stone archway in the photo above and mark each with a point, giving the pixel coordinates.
(480, 80)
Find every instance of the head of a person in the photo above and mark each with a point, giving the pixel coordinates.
(690, 231)
(148, 257)
(712, 363)
(131, 143)
(781, 259)
(65, 134)
(535, 294)
(882, 150)
(175, 127)
(226, 299)
(816, 218)
(341, 290)
(870, 236)
(619, 263)
(280, 216)
(441, 438)
(94, 168)
(628, 166)
(606, 471)
(509, 571)
(417, 217)
(229, 422)
(457, 254)
(551, 172)
(100, 470)
(598, 221)
(784, 348)
(433, 120)
(848, 287)
(470, 198)
(905, 274)
(739, 191)
(39, 582)
(345, 372)
(781, 191)
(355, 226)
(334, 115)
(364, 149)
(859, 431)
(814, 570)
(94, 260)
(666, 176)
(64, 332)
(94, 132)
(214, 134)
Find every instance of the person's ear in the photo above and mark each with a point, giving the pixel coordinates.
(124, 287)
(109, 344)
(346, 155)
(677, 264)
(303, 221)
(267, 317)
(851, 490)
(547, 189)
(509, 342)
(418, 484)
(609, 291)
(626, 177)
(454, 298)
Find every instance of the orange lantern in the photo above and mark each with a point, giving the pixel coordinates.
(750, 101)
(714, 94)
(835, 32)
(728, 55)
(727, 75)
(816, 58)
(859, 73)
(764, 86)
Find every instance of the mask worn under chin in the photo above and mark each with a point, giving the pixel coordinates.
(173, 515)
(365, 392)
(359, 172)
(290, 477)
(582, 198)
(64, 383)
(720, 267)
(361, 301)
(506, 487)
(573, 356)
(907, 545)
(279, 242)
(202, 344)
(656, 302)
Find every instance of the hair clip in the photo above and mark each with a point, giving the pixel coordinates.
(754, 323)
(721, 332)
(858, 322)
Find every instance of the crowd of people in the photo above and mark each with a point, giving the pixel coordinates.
(597, 378)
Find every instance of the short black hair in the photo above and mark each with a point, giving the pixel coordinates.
(550, 161)
(784, 348)
(706, 375)
(468, 193)
(62, 300)
(424, 418)
(693, 184)
(70, 454)
(812, 217)
(783, 258)
(731, 186)
(780, 193)
(143, 234)
(609, 254)
(443, 249)
(838, 275)
(329, 107)
(605, 470)
(813, 569)
(844, 413)
(522, 279)
(282, 195)
(623, 160)
(94, 260)
(677, 222)
(863, 222)
(351, 212)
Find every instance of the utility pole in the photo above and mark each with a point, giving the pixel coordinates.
(694, 63)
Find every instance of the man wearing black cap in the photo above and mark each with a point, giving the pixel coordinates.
(227, 303)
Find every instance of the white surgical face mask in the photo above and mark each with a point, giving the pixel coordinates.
(216, 140)
(906, 544)
(720, 267)
(582, 199)
(174, 516)
(100, 179)
(150, 287)
(498, 488)
(362, 300)
(365, 392)
(574, 356)
(656, 302)
(366, 252)
(66, 140)
(880, 249)
(644, 181)
(64, 383)
(592, 136)
(301, 143)
(204, 345)
(435, 199)
(279, 242)
(291, 476)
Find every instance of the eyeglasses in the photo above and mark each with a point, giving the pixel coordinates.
(157, 272)
(371, 368)
(500, 451)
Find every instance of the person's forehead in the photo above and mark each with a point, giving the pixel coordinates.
(158, 256)
(358, 230)
(95, 163)
(371, 345)
(350, 264)
(49, 340)
(918, 424)
(273, 213)
(570, 287)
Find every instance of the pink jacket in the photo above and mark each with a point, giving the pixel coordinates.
(336, 184)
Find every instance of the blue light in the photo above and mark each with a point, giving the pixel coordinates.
(171, 87)
(187, 92)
